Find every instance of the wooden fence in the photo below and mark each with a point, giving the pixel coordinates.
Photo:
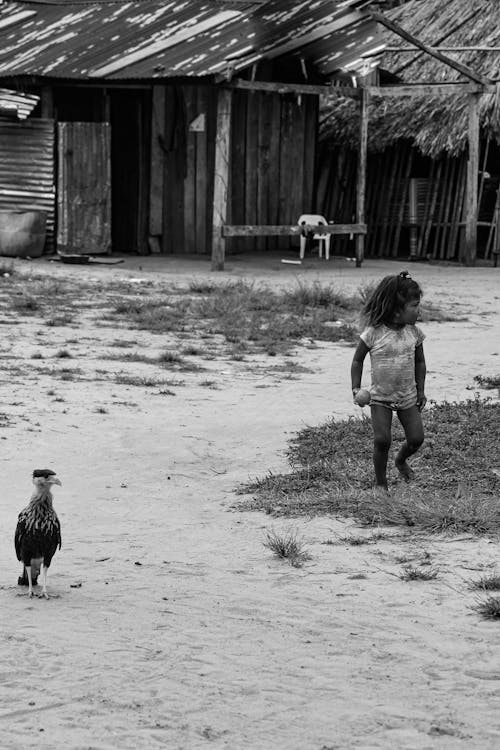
(414, 206)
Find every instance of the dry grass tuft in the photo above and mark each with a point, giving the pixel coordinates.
(288, 546)
(410, 573)
(489, 608)
(489, 582)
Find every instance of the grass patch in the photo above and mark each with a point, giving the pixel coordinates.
(489, 608)
(287, 546)
(486, 583)
(456, 488)
(140, 380)
(488, 382)
(418, 574)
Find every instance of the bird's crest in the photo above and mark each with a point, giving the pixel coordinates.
(45, 473)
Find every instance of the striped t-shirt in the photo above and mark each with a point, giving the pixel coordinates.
(392, 354)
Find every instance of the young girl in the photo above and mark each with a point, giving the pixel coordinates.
(398, 369)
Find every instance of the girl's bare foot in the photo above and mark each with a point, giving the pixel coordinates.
(406, 472)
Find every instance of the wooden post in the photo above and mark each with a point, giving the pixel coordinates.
(361, 177)
(221, 176)
(472, 177)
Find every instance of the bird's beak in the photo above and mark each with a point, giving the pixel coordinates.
(55, 480)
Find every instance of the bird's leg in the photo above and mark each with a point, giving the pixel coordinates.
(30, 582)
(44, 582)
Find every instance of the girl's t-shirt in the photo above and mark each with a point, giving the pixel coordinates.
(392, 354)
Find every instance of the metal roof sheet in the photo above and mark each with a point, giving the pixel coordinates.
(145, 39)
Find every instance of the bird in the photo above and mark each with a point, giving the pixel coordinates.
(38, 532)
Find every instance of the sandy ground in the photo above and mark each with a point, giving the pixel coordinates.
(170, 624)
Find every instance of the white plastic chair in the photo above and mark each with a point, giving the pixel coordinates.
(324, 239)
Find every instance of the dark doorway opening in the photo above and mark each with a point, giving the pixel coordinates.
(130, 154)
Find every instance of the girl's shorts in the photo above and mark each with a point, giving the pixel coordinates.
(395, 405)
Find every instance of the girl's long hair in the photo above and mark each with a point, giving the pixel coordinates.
(389, 297)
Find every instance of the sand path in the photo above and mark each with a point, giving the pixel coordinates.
(170, 625)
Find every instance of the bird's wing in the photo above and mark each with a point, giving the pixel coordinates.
(19, 534)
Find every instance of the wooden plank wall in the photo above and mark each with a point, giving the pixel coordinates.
(84, 187)
(440, 209)
(272, 165)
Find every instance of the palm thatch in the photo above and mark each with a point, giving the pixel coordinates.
(438, 124)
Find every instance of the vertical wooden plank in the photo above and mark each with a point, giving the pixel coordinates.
(263, 175)
(156, 167)
(432, 208)
(211, 133)
(361, 176)
(426, 209)
(174, 145)
(190, 218)
(311, 107)
(274, 161)
(472, 174)
(201, 169)
(458, 203)
(440, 205)
(450, 191)
(221, 176)
(236, 203)
(404, 192)
(286, 169)
(295, 157)
(251, 169)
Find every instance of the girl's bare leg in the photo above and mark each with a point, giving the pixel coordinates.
(411, 421)
(381, 423)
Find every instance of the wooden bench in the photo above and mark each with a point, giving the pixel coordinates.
(292, 230)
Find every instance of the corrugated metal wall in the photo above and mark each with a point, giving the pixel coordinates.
(27, 169)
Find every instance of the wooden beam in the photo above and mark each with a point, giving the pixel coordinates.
(262, 230)
(290, 88)
(430, 89)
(221, 176)
(361, 174)
(471, 207)
(397, 29)
(445, 49)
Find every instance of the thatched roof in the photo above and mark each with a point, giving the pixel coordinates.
(439, 123)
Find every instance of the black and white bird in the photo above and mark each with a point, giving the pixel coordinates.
(38, 532)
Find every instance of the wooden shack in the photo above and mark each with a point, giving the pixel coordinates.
(418, 143)
(132, 100)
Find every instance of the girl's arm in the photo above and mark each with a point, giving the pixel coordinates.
(420, 372)
(357, 366)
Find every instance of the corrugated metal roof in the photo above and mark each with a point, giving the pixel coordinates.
(20, 105)
(147, 39)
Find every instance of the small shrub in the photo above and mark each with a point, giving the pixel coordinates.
(170, 358)
(489, 608)
(417, 574)
(486, 583)
(287, 546)
(63, 354)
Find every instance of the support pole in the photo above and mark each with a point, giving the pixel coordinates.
(221, 177)
(471, 210)
(361, 176)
